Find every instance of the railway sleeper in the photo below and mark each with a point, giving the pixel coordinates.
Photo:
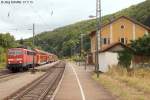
(44, 87)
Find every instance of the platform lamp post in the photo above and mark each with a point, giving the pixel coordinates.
(98, 34)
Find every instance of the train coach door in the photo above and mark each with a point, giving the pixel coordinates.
(25, 58)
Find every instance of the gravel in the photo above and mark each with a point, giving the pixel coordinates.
(11, 86)
(20, 80)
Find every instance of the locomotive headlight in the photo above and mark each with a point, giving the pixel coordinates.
(10, 60)
(20, 61)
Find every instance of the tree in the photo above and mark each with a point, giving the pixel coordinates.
(21, 41)
(1, 53)
(125, 58)
(142, 45)
(7, 40)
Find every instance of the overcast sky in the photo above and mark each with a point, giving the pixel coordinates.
(47, 15)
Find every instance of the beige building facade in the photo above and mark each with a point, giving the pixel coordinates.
(122, 29)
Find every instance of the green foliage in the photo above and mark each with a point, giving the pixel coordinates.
(7, 41)
(63, 41)
(2, 55)
(21, 41)
(125, 58)
(1, 50)
(138, 12)
(2, 65)
(142, 45)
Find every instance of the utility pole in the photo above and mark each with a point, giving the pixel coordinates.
(98, 35)
(33, 44)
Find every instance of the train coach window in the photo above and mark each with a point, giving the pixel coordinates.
(18, 52)
(30, 53)
(15, 52)
(11, 52)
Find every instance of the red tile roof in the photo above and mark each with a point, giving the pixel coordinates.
(107, 48)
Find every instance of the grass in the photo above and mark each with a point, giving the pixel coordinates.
(2, 66)
(127, 86)
(2, 60)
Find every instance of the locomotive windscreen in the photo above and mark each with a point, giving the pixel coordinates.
(15, 52)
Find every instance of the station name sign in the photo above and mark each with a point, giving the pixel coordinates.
(16, 2)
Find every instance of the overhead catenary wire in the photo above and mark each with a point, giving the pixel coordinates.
(41, 19)
(39, 16)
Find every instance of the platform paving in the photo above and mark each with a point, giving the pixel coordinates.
(77, 84)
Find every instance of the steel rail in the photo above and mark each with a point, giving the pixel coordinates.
(8, 76)
(54, 83)
(46, 81)
(30, 87)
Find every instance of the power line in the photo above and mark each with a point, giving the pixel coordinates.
(41, 19)
(9, 15)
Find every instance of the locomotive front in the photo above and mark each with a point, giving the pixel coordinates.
(14, 59)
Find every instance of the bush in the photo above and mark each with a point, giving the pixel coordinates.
(2, 55)
(125, 58)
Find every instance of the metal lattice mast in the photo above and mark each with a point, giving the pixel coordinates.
(98, 34)
(98, 17)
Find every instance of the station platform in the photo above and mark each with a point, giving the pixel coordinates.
(77, 84)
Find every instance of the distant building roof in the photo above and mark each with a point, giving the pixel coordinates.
(132, 20)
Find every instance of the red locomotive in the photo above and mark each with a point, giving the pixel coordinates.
(19, 59)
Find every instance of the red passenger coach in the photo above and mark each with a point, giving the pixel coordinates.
(54, 58)
(41, 57)
(51, 58)
(19, 59)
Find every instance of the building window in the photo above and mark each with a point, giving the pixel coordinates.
(122, 26)
(105, 41)
(146, 32)
(123, 40)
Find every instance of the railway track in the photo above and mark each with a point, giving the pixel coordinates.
(9, 76)
(4, 72)
(43, 87)
(6, 75)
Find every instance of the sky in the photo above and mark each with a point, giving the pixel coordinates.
(18, 18)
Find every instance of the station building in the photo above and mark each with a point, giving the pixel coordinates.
(122, 29)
